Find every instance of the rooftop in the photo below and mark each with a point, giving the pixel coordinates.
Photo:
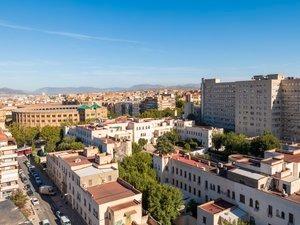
(124, 205)
(10, 214)
(91, 170)
(217, 206)
(77, 160)
(109, 192)
(245, 173)
(190, 161)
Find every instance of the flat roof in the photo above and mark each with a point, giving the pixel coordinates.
(91, 170)
(76, 160)
(292, 158)
(11, 214)
(124, 205)
(109, 192)
(245, 173)
(217, 206)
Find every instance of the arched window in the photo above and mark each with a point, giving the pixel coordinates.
(251, 202)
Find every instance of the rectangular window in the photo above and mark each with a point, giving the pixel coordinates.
(291, 218)
(242, 198)
(233, 195)
(204, 219)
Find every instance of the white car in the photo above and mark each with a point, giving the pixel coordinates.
(35, 201)
(45, 222)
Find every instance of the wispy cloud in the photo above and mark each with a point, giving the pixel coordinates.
(66, 34)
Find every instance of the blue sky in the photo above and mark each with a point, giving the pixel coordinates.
(122, 43)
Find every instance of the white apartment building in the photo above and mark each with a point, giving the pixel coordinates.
(265, 103)
(8, 165)
(90, 182)
(263, 191)
(218, 103)
(187, 130)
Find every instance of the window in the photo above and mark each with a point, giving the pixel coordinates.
(256, 205)
(242, 198)
(204, 219)
(228, 193)
(251, 202)
(190, 176)
(194, 177)
(233, 195)
(291, 218)
(270, 211)
(199, 180)
(199, 193)
(282, 215)
(206, 184)
(219, 189)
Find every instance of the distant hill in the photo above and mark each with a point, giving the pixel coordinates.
(9, 91)
(67, 90)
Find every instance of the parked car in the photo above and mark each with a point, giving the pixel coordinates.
(35, 201)
(46, 222)
(38, 181)
(58, 214)
(64, 220)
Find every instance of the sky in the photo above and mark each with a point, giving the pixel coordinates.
(63, 43)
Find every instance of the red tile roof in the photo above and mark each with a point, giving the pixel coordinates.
(77, 160)
(109, 192)
(216, 206)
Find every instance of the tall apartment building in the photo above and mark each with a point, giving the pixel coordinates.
(90, 182)
(8, 165)
(218, 103)
(258, 105)
(290, 113)
(265, 103)
(264, 191)
(54, 115)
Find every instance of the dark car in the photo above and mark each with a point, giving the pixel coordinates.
(29, 192)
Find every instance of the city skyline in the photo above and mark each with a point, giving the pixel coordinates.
(117, 44)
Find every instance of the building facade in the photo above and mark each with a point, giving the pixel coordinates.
(8, 165)
(90, 182)
(54, 115)
(218, 103)
(265, 103)
(264, 191)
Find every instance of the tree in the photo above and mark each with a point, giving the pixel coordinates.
(192, 207)
(164, 146)
(24, 135)
(51, 134)
(142, 142)
(50, 146)
(267, 141)
(179, 103)
(218, 140)
(69, 143)
(162, 201)
(19, 198)
(236, 143)
(136, 148)
(172, 136)
(187, 147)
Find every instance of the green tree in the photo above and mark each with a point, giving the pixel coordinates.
(218, 140)
(267, 141)
(51, 134)
(164, 146)
(50, 146)
(179, 103)
(236, 143)
(142, 142)
(192, 207)
(187, 147)
(162, 201)
(24, 135)
(19, 198)
(136, 148)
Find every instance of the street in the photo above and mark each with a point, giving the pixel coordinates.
(48, 205)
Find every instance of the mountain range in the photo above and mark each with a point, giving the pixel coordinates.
(83, 89)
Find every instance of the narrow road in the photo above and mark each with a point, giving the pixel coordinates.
(49, 204)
